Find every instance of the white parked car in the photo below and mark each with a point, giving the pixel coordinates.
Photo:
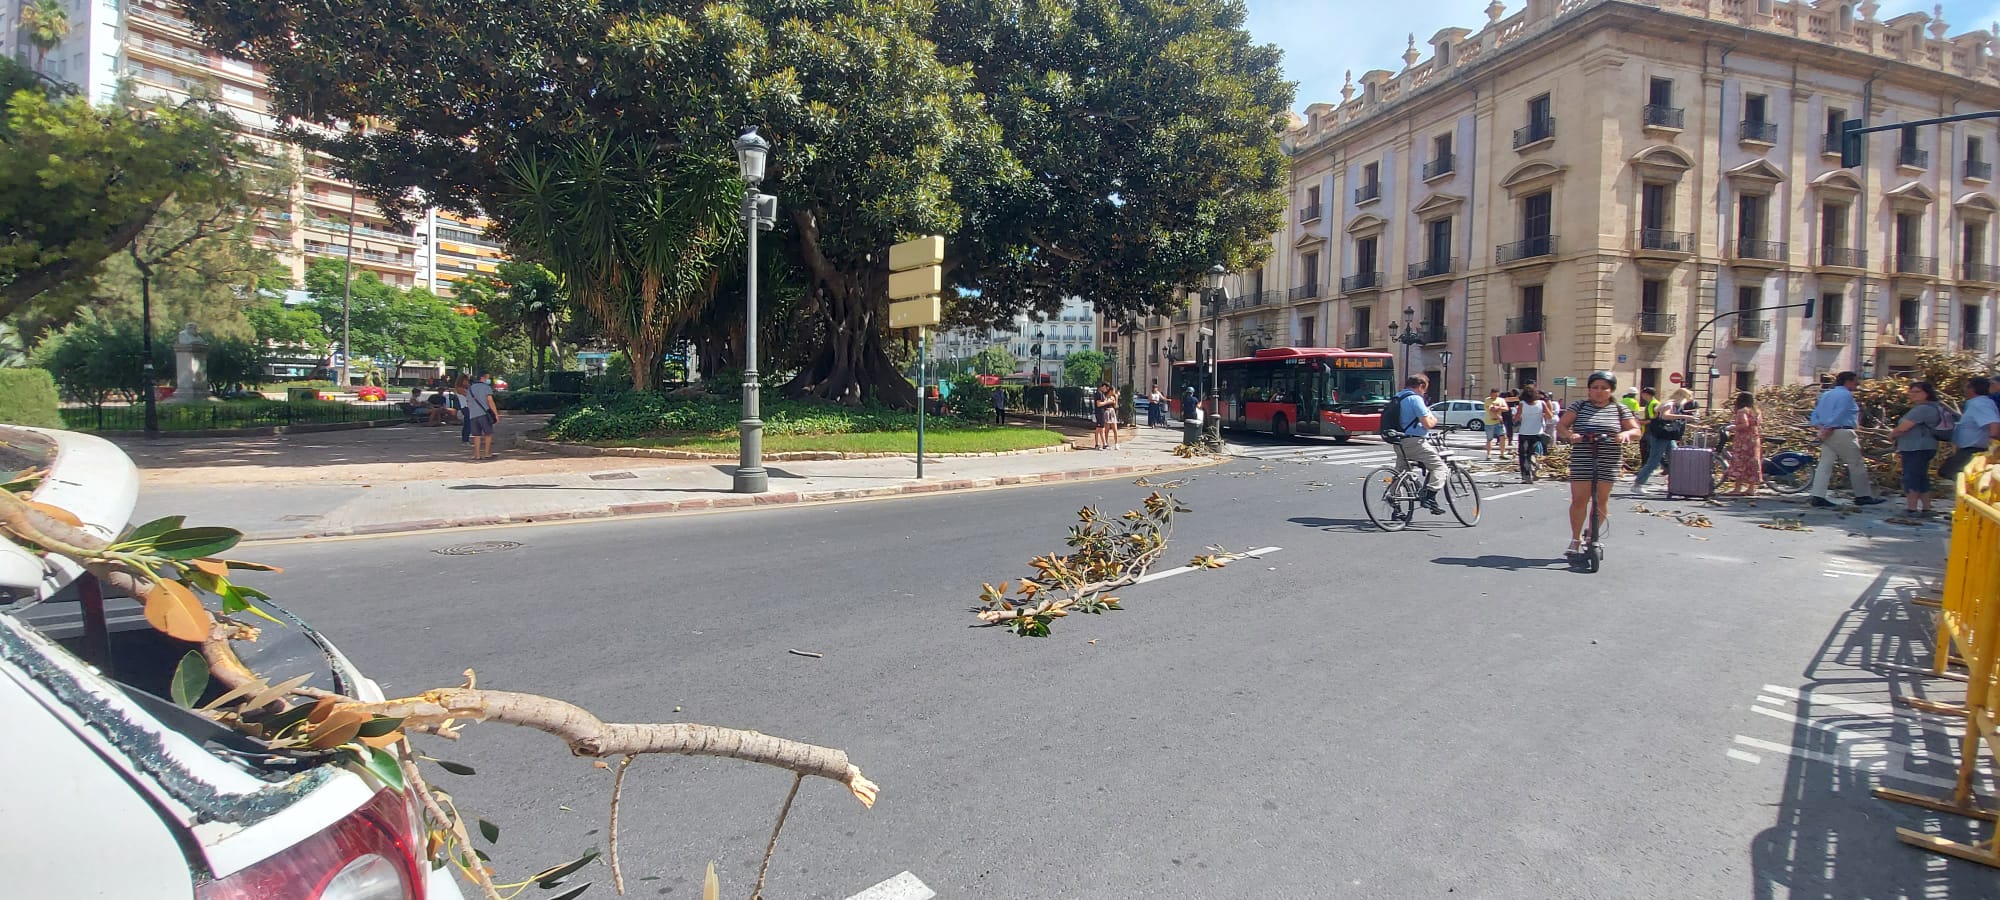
(1467, 414)
(112, 791)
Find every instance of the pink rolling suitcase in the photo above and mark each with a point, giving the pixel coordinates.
(1691, 472)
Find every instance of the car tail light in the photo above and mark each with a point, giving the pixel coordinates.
(373, 854)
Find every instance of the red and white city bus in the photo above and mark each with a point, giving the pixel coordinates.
(1298, 390)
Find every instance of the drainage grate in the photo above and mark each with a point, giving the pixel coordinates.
(612, 476)
(480, 547)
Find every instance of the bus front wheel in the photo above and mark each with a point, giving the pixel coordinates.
(1281, 426)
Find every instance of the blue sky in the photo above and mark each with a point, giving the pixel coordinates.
(1324, 38)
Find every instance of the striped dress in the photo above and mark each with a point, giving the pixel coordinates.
(1600, 461)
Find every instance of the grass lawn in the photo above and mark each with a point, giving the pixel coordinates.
(960, 440)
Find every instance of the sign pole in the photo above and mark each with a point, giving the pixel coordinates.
(923, 398)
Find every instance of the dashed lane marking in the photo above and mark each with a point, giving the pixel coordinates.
(1182, 570)
(904, 886)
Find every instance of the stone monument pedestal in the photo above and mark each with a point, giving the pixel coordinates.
(190, 366)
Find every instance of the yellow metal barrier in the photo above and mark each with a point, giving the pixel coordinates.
(1968, 632)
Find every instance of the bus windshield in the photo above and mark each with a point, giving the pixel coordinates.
(1348, 387)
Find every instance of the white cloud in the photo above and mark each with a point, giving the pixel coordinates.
(1323, 40)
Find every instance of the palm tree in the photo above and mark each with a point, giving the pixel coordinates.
(635, 233)
(46, 23)
(534, 305)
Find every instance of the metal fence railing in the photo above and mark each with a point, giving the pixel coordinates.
(227, 414)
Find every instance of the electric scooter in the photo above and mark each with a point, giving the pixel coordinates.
(1590, 557)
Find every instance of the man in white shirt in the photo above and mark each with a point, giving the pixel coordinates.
(1978, 425)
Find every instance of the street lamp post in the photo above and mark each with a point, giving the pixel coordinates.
(1409, 336)
(1444, 374)
(1217, 297)
(751, 478)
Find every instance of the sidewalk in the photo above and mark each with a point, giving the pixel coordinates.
(408, 479)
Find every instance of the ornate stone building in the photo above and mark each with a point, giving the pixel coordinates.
(1584, 184)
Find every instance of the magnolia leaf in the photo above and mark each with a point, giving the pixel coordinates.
(213, 567)
(454, 768)
(190, 679)
(380, 725)
(278, 691)
(551, 878)
(176, 612)
(711, 887)
(381, 741)
(235, 599)
(57, 513)
(193, 543)
(383, 766)
(250, 566)
(489, 831)
(153, 529)
(338, 729)
(573, 892)
(321, 708)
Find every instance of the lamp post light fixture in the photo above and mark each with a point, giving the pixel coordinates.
(751, 151)
(1444, 374)
(1217, 298)
(1409, 338)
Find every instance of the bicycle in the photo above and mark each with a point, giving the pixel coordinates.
(1590, 556)
(1398, 491)
(1785, 472)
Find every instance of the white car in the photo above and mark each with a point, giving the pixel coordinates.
(1467, 414)
(112, 792)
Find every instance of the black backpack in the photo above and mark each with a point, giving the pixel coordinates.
(1392, 416)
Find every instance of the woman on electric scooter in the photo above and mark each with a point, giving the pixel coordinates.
(1596, 428)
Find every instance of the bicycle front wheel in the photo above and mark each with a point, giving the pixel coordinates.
(1461, 493)
(1387, 500)
(1790, 482)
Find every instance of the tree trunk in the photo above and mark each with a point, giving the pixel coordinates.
(851, 365)
(643, 350)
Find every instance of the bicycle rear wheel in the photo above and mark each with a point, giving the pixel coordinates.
(1790, 482)
(1461, 493)
(1388, 499)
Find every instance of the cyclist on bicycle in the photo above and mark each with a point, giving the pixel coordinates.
(1596, 428)
(1417, 422)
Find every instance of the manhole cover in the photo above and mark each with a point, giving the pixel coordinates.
(612, 476)
(480, 547)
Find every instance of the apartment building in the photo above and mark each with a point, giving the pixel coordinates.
(1071, 330)
(1589, 184)
(149, 43)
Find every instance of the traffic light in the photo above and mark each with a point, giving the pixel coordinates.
(1810, 303)
(1850, 143)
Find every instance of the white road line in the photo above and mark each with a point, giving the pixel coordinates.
(1877, 766)
(1861, 707)
(1511, 494)
(1182, 570)
(902, 887)
(1745, 756)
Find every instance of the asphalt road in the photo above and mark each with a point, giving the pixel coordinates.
(1439, 712)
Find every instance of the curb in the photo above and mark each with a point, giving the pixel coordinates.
(746, 501)
(263, 431)
(523, 442)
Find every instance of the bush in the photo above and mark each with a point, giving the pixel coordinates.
(28, 397)
(632, 415)
(970, 398)
(536, 401)
(93, 362)
(234, 363)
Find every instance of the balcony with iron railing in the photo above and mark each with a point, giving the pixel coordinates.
(1759, 131)
(1305, 291)
(167, 50)
(1843, 258)
(1978, 170)
(1433, 268)
(1657, 116)
(1752, 330)
(1524, 324)
(1360, 281)
(1535, 132)
(363, 230)
(1368, 192)
(1184, 315)
(1438, 167)
(1255, 299)
(1971, 340)
(148, 14)
(1829, 143)
(1309, 213)
(1659, 241)
(1912, 264)
(1431, 332)
(1909, 336)
(1832, 333)
(1531, 248)
(1756, 252)
(1658, 324)
(1985, 272)
(163, 78)
(1358, 340)
(1913, 158)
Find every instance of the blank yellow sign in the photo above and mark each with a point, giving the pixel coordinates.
(924, 251)
(914, 313)
(916, 283)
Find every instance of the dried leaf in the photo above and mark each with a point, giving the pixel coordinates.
(339, 728)
(711, 887)
(57, 513)
(213, 567)
(277, 691)
(176, 612)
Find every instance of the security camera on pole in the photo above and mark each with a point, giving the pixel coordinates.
(916, 279)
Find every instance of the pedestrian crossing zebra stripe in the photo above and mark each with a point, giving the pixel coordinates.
(1329, 456)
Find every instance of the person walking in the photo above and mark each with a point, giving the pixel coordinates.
(1156, 408)
(1746, 446)
(1596, 427)
(1917, 445)
(1538, 416)
(1836, 415)
(1110, 406)
(1191, 405)
(1978, 425)
(481, 414)
(458, 396)
(1096, 401)
(999, 405)
(1417, 422)
(1496, 423)
(1669, 424)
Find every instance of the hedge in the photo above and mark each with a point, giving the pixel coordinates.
(631, 415)
(536, 401)
(28, 397)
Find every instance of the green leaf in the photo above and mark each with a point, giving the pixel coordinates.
(552, 878)
(194, 543)
(190, 679)
(489, 831)
(154, 529)
(573, 892)
(454, 768)
(383, 765)
(232, 599)
(378, 726)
